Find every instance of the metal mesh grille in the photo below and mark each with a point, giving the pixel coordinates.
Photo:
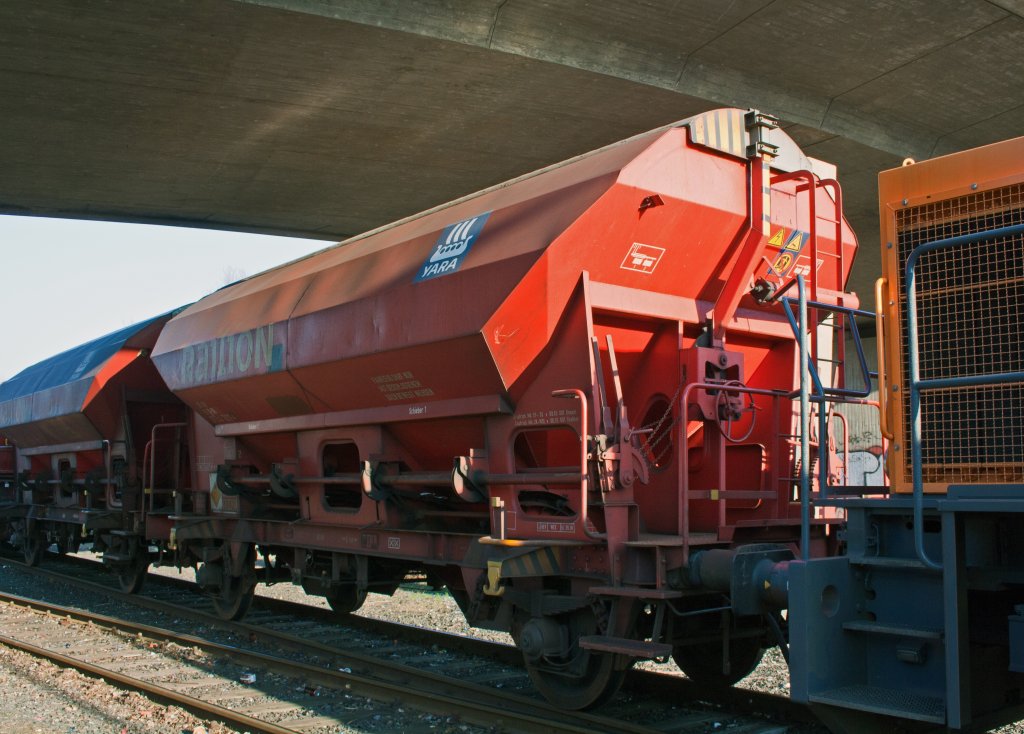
(969, 303)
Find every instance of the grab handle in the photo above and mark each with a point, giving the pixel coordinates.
(883, 396)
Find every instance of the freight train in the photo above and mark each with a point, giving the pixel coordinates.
(601, 405)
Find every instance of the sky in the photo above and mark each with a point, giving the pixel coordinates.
(64, 282)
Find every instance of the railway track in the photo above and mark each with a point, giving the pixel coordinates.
(218, 680)
(478, 681)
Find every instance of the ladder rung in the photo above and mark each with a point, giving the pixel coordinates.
(635, 592)
(626, 646)
(894, 630)
(732, 494)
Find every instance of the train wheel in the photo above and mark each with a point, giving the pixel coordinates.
(234, 599)
(131, 575)
(565, 674)
(236, 593)
(702, 663)
(33, 547)
(346, 599)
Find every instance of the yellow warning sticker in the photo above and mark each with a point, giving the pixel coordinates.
(795, 243)
(789, 250)
(783, 263)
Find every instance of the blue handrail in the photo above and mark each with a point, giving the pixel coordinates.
(820, 393)
(819, 389)
(917, 385)
(805, 425)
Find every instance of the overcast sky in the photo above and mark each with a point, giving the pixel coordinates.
(64, 282)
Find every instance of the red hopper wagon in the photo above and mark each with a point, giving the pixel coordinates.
(79, 426)
(551, 396)
(571, 399)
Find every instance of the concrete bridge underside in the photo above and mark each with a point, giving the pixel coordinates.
(326, 118)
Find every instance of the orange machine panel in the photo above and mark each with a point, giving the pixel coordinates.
(969, 300)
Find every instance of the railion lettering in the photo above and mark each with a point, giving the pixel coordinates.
(237, 354)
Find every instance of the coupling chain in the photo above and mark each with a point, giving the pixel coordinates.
(654, 435)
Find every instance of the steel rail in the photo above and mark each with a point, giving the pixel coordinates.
(496, 650)
(195, 705)
(189, 702)
(663, 685)
(422, 689)
(486, 708)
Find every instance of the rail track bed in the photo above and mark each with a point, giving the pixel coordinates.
(316, 671)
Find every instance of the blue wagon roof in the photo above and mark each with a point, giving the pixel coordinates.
(71, 365)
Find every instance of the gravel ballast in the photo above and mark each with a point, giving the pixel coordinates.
(42, 698)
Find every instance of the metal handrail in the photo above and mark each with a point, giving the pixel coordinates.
(683, 460)
(108, 491)
(819, 388)
(152, 456)
(812, 183)
(837, 197)
(883, 397)
(846, 442)
(917, 385)
(820, 393)
(805, 422)
(584, 456)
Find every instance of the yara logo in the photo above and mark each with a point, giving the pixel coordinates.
(451, 247)
(456, 243)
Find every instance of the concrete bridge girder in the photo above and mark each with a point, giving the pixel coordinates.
(330, 117)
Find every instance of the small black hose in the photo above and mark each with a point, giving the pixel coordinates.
(783, 644)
